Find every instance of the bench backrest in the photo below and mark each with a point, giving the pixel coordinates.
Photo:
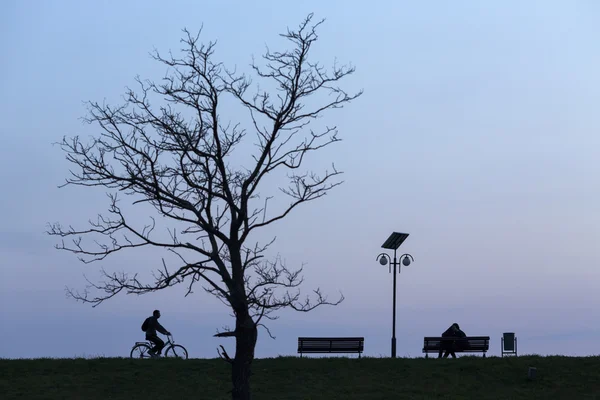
(331, 344)
(475, 342)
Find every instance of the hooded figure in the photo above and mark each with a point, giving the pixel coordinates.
(450, 346)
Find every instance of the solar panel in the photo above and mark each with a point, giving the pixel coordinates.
(395, 240)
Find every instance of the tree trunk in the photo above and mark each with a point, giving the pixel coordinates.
(246, 334)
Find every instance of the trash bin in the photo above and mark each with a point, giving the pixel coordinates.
(509, 343)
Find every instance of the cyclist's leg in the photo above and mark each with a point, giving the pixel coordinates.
(158, 344)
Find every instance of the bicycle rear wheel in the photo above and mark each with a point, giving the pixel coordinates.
(176, 351)
(140, 350)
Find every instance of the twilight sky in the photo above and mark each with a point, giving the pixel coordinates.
(477, 134)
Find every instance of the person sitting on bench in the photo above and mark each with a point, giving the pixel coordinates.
(451, 346)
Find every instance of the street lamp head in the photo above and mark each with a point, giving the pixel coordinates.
(406, 259)
(383, 259)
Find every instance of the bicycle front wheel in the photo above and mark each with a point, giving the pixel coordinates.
(140, 351)
(176, 351)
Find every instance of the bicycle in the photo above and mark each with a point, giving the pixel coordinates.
(172, 350)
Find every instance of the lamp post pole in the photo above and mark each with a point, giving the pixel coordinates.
(394, 307)
(393, 242)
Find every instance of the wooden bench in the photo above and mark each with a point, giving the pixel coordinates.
(331, 345)
(474, 344)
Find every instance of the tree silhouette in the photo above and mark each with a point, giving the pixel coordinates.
(169, 147)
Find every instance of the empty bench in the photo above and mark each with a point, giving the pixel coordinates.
(331, 345)
(469, 344)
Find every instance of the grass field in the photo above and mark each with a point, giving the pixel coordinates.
(574, 378)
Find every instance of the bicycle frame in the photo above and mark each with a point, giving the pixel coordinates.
(169, 342)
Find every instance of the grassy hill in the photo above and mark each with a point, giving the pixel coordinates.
(308, 378)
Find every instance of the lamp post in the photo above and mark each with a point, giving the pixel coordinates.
(392, 243)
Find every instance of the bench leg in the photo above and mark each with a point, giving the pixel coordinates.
(484, 354)
(426, 355)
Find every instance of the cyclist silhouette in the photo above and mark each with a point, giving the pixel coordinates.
(152, 325)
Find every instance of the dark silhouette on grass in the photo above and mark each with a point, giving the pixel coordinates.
(170, 148)
(452, 345)
(152, 325)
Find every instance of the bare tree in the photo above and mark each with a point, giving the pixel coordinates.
(178, 157)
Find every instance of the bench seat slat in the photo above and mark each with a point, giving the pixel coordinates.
(331, 345)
